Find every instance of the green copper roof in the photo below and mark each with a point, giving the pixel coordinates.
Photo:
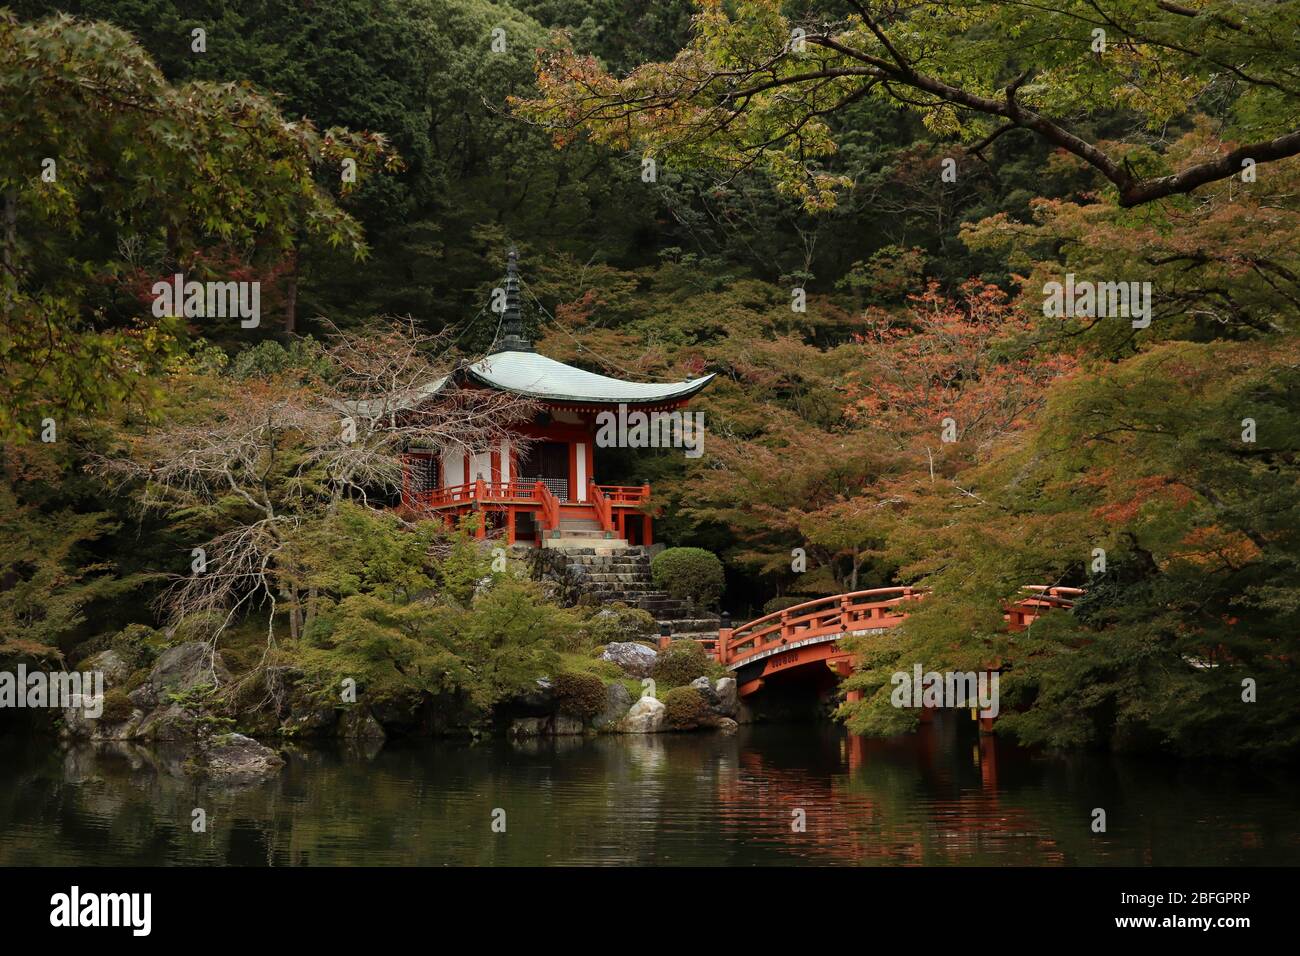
(536, 376)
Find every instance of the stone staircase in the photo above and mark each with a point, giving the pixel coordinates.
(577, 534)
(623, 575)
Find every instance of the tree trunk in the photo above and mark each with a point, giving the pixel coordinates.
(10, 247)
(291, 294)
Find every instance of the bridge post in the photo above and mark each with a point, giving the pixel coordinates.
(665, 637)
(724, 635)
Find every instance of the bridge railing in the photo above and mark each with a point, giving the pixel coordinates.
(840, 613)
(1042, 599)
(863, 611)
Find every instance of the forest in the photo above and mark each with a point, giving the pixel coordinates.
(851, 212)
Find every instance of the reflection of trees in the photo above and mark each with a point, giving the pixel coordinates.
(936, 797)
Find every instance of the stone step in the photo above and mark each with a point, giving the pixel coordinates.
(593, 545)
(613, 561)
(692, 626)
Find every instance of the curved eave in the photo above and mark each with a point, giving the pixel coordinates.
(537, 377)
(681, 391)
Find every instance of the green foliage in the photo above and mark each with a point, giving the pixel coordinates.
(684, 708)
(822, 424)
(691, 574)
(618, 622)
(117, 706)
(579, 695)
(402, 613)
(681, 663)
(83, 241)
(138, 645)
(783, 601)
(49, 577)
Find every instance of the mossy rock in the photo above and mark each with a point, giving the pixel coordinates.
(685, 708)
(681, 662)
(579, 695)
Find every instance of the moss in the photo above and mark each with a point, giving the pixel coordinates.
(682, 662)
(618, 622)
(685, 707)
(580, 695)
(117, 707)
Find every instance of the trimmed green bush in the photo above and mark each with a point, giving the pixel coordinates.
(580, 695)
(681, 663)
(684, 708)
(691, 574)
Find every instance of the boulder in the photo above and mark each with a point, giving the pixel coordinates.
(358, 723)
(179, 669)
(565, 726)
(169, 722)
(726, 726)
(637, 660)
(646, 716)
(529, 727)
(306, 719)
(617, 702)
(726, 698)
(77, 725)
(109, 663)
(542, 698)
(705, 688)
(235, 757)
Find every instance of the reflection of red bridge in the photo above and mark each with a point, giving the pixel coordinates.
(808, 635)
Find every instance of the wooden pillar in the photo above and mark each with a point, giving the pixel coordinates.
(573, 471)
(510, 525)
(649, 533)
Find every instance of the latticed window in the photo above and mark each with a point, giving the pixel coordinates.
(422, 470)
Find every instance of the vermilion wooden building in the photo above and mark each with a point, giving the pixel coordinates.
(542, 489)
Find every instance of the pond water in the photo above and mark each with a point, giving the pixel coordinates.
(941, 796)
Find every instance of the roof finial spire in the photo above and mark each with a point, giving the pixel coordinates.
(512, 325)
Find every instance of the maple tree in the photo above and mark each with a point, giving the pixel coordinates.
(756, 87)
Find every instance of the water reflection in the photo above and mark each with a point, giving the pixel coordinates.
(942, 796)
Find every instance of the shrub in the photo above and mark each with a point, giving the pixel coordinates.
(691, 574)
(681, 662)
(580, 695)
(117, 707)
(684, 708)
(618, 622)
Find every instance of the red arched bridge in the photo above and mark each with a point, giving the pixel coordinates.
(808, 634)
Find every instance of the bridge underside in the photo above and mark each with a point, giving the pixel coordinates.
(798, 657)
